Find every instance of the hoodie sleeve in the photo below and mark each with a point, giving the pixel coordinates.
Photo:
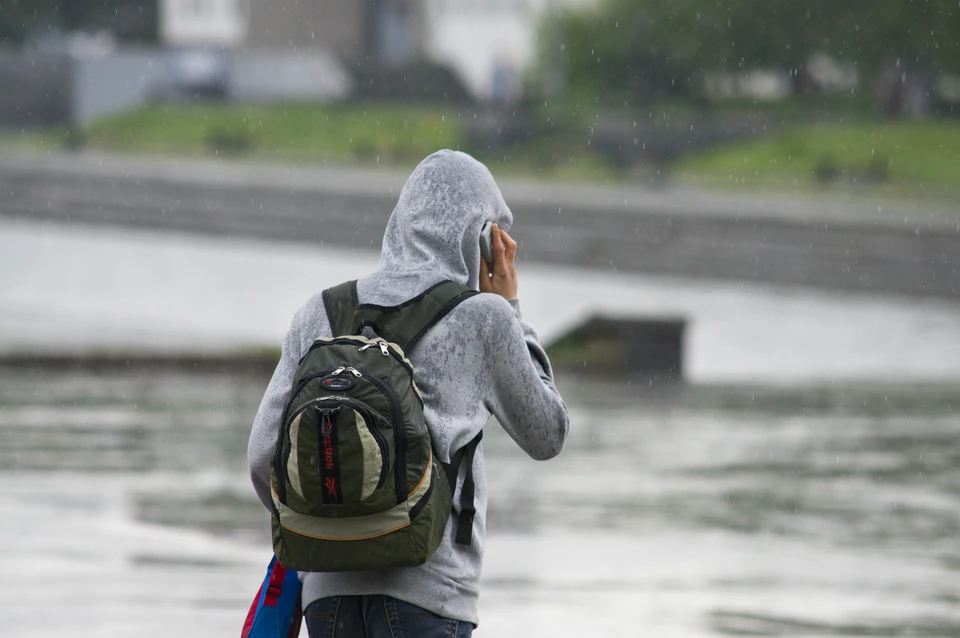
(266, 425)
(538, 354)
(522, 394)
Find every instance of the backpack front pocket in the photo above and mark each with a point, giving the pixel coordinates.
(338, 455)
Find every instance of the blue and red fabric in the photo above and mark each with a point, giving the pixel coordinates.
(276, 611)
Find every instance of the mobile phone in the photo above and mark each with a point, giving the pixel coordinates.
(486, 244)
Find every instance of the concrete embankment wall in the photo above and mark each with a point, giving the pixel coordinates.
(763, 239)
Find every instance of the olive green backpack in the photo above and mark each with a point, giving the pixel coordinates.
(356, 484)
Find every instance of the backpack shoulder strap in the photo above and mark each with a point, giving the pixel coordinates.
(404, 324)
(341, 305)
(464, 456)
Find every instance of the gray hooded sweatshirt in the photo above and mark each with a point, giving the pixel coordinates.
(481, 359)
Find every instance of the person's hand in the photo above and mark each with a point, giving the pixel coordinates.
(503, 280)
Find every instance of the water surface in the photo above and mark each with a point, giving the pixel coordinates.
(125, 510)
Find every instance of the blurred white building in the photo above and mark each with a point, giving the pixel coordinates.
(204, 22)
(488, 43)
(259, 50)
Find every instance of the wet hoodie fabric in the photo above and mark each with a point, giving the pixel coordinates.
(481, 359)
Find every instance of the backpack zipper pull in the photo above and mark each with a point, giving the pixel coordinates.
(368, 346)
(355, 372)
(326, 419)
(338, 371)
(384, 349)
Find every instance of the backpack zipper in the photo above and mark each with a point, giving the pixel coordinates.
(348, 340)
(384, 348)
(303, 384)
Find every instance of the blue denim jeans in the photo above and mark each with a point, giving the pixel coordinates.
(378, 617)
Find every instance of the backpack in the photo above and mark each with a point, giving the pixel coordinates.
(356, 483)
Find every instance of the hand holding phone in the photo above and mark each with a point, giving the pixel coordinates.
(499, 276)
(486, 244)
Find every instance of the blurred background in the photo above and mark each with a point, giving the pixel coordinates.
(739, 228)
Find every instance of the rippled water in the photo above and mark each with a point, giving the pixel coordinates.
(125, 510)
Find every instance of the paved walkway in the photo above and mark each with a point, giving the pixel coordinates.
(856, 246)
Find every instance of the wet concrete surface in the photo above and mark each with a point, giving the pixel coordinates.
(858, 245)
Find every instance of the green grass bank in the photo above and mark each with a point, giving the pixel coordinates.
(914, 154)
(905, 157)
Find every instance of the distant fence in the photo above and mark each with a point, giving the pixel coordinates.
(628, 142)
(116, 82)
(265, 76)
(623, 141)
(36, 89)
(40, 89)
(416, 82)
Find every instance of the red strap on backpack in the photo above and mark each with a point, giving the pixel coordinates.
(274, 586)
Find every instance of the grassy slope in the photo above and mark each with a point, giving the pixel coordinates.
(324, 133)
(369, 133)
(915, 154)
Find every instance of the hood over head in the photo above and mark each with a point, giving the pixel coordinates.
(434, 231)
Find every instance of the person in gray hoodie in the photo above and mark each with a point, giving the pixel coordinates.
(482, 359)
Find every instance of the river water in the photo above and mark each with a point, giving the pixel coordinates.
(813, 510)
(806, 482)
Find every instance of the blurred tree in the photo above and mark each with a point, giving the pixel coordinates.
(923, 33)
(128, 20)
(20, 18)
(637, 50)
